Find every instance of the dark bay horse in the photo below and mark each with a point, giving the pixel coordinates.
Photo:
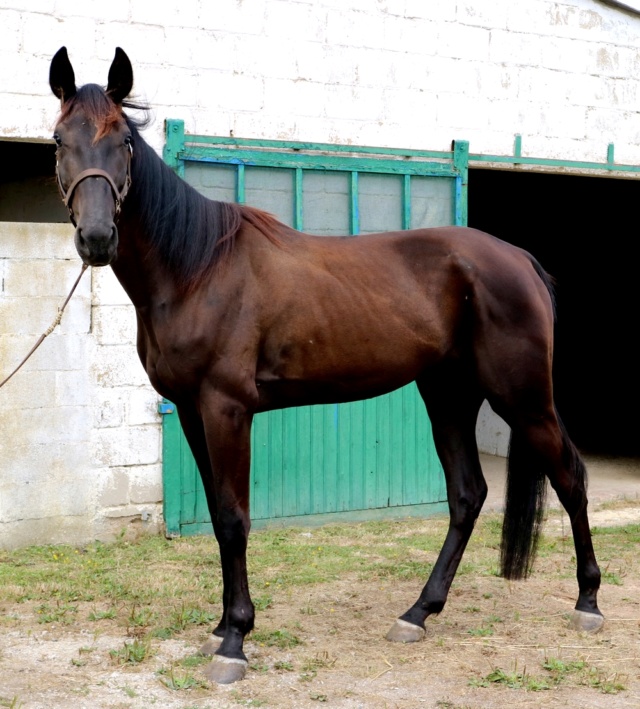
(238, 314)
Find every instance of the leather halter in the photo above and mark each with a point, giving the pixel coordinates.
(119, 195)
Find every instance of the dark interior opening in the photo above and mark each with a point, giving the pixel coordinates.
(28, 189)
(584, 232)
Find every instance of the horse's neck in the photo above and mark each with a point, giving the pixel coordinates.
(139, 271)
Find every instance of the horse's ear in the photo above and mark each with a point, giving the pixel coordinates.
(120, 77)
(61, 77)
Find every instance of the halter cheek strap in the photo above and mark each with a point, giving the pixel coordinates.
(118, 195)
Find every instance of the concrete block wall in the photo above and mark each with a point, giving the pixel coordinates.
(394, 73)
(80, 448)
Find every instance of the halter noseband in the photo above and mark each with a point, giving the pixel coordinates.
(119, 195)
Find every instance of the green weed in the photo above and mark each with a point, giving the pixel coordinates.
(282, 639)
(179, 680)
(132, 653)
(512, 680)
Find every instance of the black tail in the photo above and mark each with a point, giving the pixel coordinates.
(525, 500)
(524, 508)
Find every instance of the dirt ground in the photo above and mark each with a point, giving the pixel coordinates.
(342, 660)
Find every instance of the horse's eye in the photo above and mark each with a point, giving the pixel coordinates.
(58, 140)
(128, 141)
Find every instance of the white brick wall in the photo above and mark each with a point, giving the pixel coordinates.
(403, 74)
(81, 437)
(81, 419)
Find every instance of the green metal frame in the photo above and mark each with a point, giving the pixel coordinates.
(181, 148)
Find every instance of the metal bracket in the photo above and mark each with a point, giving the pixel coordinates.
(166, 407)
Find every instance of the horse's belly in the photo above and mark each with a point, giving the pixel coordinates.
(334, 381)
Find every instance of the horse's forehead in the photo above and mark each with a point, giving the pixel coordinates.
(82, 122)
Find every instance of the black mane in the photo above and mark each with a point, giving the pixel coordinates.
(190, 232)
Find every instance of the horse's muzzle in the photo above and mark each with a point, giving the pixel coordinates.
(97, 245)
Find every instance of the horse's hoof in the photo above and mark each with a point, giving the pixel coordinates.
(210, 647)
(225, 670)
(586, 622)
(403, 632)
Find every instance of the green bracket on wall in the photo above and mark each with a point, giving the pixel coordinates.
(166, 407)
(174, 145)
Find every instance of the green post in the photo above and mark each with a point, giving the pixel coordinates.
(461, 166)
(355, 204)
(171, 468)
(241, 196)
(174, 145)
(406, 202)
(298, 218)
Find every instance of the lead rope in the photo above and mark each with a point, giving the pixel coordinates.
(53, 326)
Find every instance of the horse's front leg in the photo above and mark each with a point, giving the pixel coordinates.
(193, 430)
(227, 425)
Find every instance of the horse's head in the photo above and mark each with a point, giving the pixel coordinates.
(94, 154)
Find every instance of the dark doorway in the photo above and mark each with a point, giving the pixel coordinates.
(28, 189)
(584, 231)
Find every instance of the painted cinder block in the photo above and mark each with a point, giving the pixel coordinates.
(106, 289)
(37, 241)
(145, 485)
(127, 446)
(114, 324)
(142, 406)
(118, 366)
(113, 488)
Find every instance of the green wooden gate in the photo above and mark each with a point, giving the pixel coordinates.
(365, 459)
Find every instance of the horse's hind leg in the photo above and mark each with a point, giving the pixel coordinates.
(452, 403)
(541, 447)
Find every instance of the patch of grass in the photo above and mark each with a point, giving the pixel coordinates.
(611, 577)
(259, 667)
(310, 667)
(261, 603)
(140, 617)
(13, 703)
(282, 639)
(180, 680)
(162, 633)
(512, 680)
(132, 653)
(237, 697)
(59, 613)
(194, 661)
(561, 671)
(109, 614)
(607, 684)
(184, 616)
